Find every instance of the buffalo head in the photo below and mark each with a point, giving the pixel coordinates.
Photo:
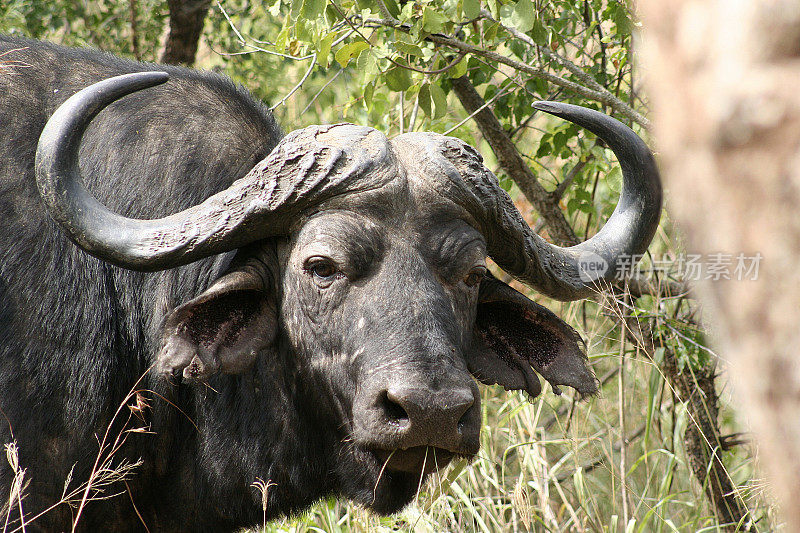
(364, 258)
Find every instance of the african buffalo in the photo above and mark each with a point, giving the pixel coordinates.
(315, 307)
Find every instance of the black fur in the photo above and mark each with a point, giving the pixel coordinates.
(77, 333)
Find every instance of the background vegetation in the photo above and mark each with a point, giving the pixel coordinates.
(661, 448)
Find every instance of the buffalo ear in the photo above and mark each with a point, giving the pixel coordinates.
(514, 335)
(222, 330)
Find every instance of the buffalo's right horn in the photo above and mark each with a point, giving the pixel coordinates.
(574, 272)
(307, 167)
(455, 170)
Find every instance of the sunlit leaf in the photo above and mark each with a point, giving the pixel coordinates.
(459, 69)
(281, 40)
(324, 49)
(523, 16)
(346, 52)
(472, 8)
(432, 20)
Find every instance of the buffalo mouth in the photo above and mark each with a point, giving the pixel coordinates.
(384, 480)
(416, 460)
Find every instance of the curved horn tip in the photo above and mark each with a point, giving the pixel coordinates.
(548, 106)
(142, 80)
(158, 76)
(114, 88)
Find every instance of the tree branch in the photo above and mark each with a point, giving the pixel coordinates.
(562, 187)
(640, 286)
(695, 387)
(569, 65)
(134, 30)
(617, 105)
(510, 161)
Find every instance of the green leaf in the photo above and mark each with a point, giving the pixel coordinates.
(392, 7)
(620, 17)
(281, 40)
(424, 99)
(491, 32)
(540, 34)
(398, 79)
(362, 60)
(545, 148)
(572, 206)
(523, 16)
(614, 175)
(275, 9)
(472, 8)
(559, 140)
(407, 11)
(368, 65)
(506, 12)
(494, 8)
(369, 90)
(313, 9)
(407, 48)
(459, 69)
(432, 20)
(324, 49)
(331, 15)
(439, 100)
(294, 10)
(583, 195)
(346, 52)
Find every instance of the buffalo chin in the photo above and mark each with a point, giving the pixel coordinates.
(385, 482)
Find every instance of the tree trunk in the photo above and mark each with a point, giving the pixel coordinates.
(695, 387)
(186, 18)
(723, 81)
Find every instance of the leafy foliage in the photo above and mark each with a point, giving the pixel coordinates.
(103, 25)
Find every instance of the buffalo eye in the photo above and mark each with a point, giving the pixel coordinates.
(322, 270)
(475, 276)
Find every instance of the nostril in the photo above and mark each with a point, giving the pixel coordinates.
(466, 416)
(394, 411)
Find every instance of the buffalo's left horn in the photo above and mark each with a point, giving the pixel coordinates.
(307, 167)
(574, 272)
(456, 171)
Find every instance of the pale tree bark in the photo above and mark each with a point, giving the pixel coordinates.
(724, 83)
